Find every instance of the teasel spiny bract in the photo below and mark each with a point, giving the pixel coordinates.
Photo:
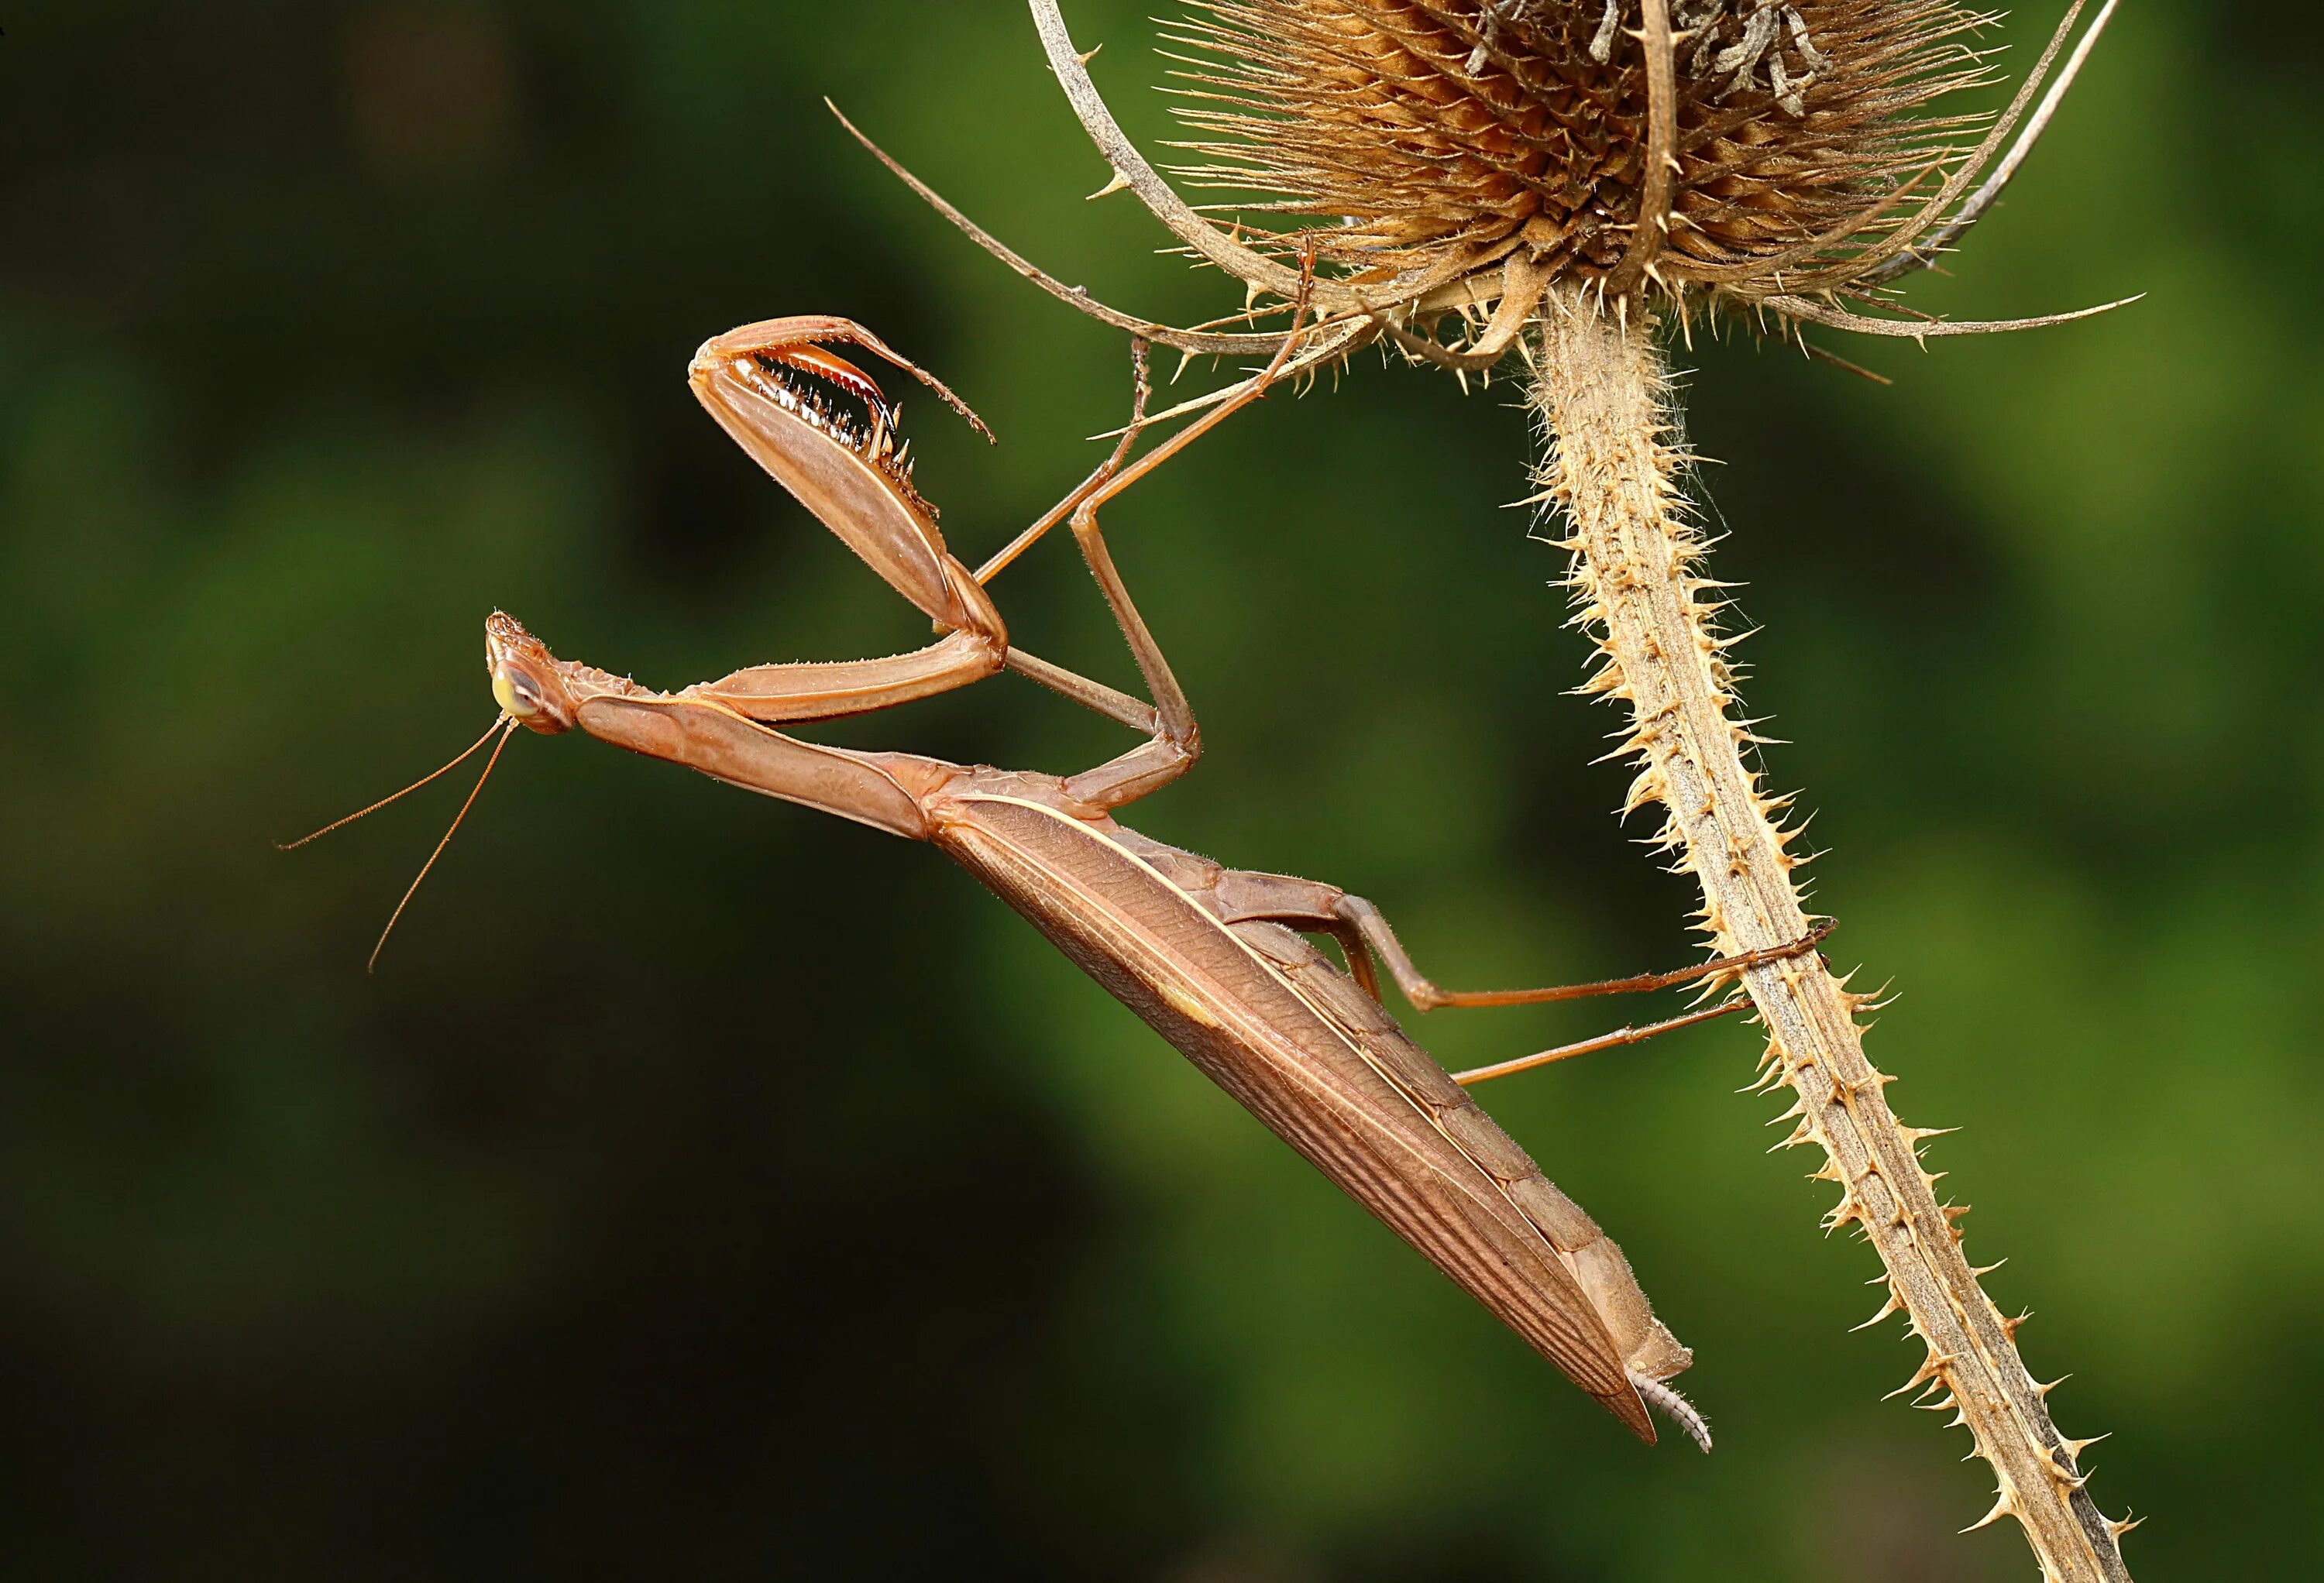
(1459, 160)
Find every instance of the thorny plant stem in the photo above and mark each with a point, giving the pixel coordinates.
(1610, 467)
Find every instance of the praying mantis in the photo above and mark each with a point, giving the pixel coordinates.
(1213, 958)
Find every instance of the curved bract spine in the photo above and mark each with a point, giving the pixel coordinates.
(1460, 160)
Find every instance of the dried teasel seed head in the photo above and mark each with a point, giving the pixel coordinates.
(1438, 137)
(1461, 158)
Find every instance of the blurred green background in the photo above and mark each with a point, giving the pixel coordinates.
(704, 1188)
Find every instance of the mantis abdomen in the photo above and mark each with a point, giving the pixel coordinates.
(1270, 1020)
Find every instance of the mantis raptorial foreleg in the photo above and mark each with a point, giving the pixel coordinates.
(776, 392)
(775, 388)
(766, 383)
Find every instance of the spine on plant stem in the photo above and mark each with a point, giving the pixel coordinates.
(1611, 465)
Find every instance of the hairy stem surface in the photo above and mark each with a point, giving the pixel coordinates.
(1611, 466)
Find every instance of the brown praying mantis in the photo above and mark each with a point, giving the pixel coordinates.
(1212, 958)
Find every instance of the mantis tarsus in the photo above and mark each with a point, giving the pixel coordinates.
(1213, 958)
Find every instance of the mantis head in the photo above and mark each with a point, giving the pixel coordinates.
(528, 681)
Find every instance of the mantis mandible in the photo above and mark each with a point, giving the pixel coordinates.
(1212, 958)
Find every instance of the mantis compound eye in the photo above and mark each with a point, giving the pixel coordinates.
(516, 692)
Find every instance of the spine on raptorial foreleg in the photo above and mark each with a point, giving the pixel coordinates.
(1610, 468)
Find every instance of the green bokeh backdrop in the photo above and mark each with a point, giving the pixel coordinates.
(705, 1189)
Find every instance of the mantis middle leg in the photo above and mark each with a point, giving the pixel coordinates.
(823, 428)
(1176, 739)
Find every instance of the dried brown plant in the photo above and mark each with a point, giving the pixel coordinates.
(1772, 144)
(1572, 181)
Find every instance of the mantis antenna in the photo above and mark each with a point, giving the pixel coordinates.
(505, 724)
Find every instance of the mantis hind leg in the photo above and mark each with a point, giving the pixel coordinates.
(1362, 932)
(1425, 994)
